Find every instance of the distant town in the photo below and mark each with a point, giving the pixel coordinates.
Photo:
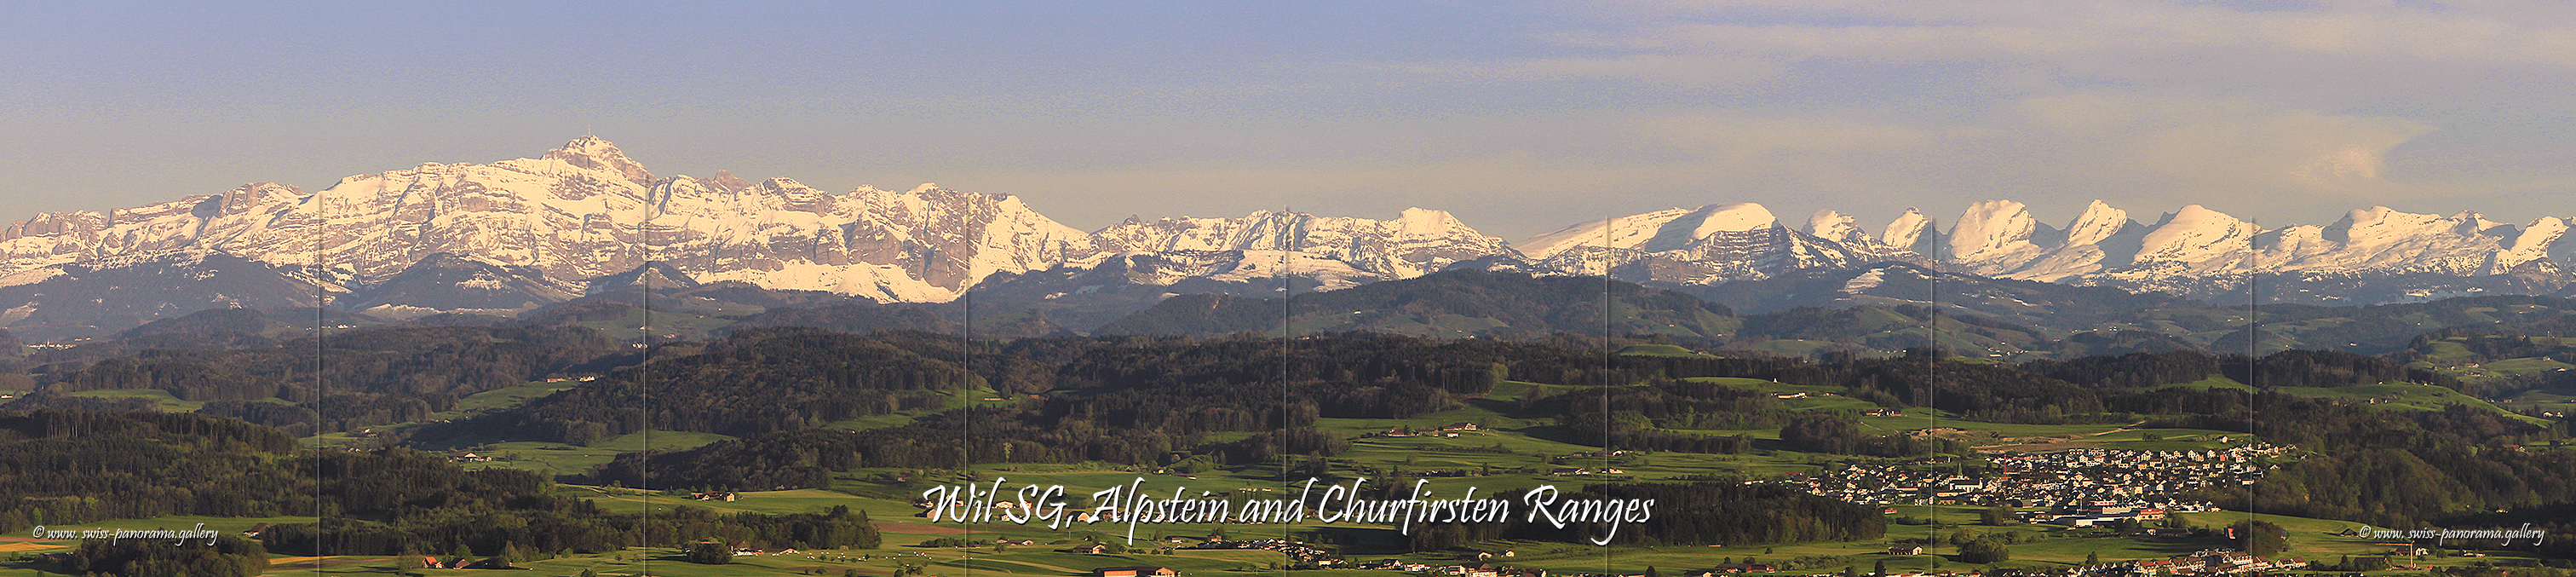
(2085, 486)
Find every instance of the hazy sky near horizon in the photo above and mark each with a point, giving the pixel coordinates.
(1520, 117)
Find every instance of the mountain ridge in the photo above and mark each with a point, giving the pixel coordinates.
(513, 235)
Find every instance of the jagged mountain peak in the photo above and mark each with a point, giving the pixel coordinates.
(2380, 225)
(653, 276)
(1665, 229)
(2533, 243)
(726, 181)
(266, 188)
(1733, 216)
(776, 184)
(2473, 222)
(2198, 215)
(2098, 222)
(1907, 230)
(1422, 221)
(1835, 226)
(526, 228)
(597, 153)
(2199, 237)
(1993, 229)
(1339, 251)
(1709, 220)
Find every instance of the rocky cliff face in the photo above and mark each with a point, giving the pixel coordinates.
(578, 212)
(511, 235)
(1336, 251)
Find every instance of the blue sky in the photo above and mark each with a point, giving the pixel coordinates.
(1518, 116)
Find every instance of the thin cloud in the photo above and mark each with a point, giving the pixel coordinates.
(2070, 33)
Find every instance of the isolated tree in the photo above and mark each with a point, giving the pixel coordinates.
(1996, 516)
(1984, 551)
(2261, 538)
(710, 554)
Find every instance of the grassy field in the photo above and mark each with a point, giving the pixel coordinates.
(1790, 347)
(2214, 382)
(503, 398)
(769, 502)
(947, 400)
(1661, 351)
(157, 396)
(2515, 368)
(2554, 400)
(2403, 397)
(561, 459)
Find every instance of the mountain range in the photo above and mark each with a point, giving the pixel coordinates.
(509, 237)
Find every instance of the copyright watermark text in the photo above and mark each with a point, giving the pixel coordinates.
(112, 535)
(2442, 535)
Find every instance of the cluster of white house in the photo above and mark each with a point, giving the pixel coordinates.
(2206, 562)
(1297, 551)
(2107, 484)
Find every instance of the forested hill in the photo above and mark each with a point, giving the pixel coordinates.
(1449, 304)
(139, 465)
(72, 467)
(1109, 398)
(363, 378)
(1844, 311)
(754, 382)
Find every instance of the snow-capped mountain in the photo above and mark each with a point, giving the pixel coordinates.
(513, 235)
(1699, 246)
(578, 212)
(2196, 250)
(2369, 256)
(1338, 252)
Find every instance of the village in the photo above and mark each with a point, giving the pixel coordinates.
(2085, 487)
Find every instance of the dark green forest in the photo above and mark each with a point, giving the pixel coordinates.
(359, 379)
(69, 467)
(1224, 393)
